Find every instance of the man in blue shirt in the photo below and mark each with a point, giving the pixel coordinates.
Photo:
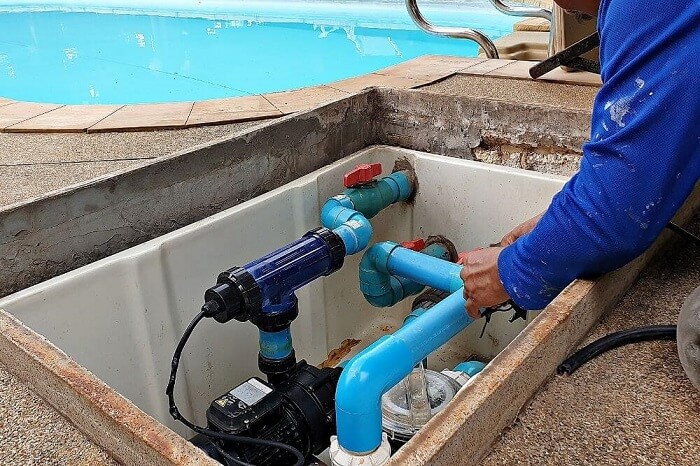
(642, 161)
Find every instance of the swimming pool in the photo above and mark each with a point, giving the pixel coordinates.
(132, 52)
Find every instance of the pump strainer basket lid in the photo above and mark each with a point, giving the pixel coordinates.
(397, 421)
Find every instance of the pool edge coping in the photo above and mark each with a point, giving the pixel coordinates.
(33, 117)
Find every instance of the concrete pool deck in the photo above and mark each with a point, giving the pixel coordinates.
(31, 117)
(631, 405)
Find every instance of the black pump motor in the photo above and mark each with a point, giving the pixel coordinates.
(298, 411)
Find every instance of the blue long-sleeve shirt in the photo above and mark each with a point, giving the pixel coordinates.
(641, 163)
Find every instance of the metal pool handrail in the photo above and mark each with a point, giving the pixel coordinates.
(529, 12)
(458, 33)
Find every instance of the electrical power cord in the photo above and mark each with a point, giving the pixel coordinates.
(615, 340)
(209, 310)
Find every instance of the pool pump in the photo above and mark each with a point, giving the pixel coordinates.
(299, 412)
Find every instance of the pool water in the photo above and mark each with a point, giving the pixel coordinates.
(88, 57)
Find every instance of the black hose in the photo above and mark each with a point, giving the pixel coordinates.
(614, 340)
(683, 233)
(209, 310)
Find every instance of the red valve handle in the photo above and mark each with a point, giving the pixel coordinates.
(362, 174)
(417, 244)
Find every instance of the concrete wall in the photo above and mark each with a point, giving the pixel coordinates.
(47, 236)
(533, 137)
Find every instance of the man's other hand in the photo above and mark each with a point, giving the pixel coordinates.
(482, 284)
(524, 228)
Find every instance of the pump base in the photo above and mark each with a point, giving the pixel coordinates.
(378, 457)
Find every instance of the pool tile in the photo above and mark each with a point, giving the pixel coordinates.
(430, 66)
(486, 66)
(19, 111)
(359, 83)
(146, 116)
(70, 118)
(232, 110)
(303, 99)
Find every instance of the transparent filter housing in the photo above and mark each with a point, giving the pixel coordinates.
(411, 403)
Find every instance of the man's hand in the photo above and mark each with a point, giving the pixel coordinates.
(524, 228)
(482, 284)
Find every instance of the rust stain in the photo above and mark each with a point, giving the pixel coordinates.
(385, 328)
(337, 355)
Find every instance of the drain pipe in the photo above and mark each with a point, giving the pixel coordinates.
(381, 366)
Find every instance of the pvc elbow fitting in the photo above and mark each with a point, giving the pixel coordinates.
(384, 364)
(356, 233)
(384, 280)
(376, 369)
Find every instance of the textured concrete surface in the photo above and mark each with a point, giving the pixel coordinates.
(517, 90)
(630, 406)
(34, 164)
(504, 132)
(32, 433)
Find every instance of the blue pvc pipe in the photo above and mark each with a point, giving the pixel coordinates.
(471, 368)
(423, 269)
(347, 214)
(384, 289)
(384, 364)
(390, 273)
(276, 345)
